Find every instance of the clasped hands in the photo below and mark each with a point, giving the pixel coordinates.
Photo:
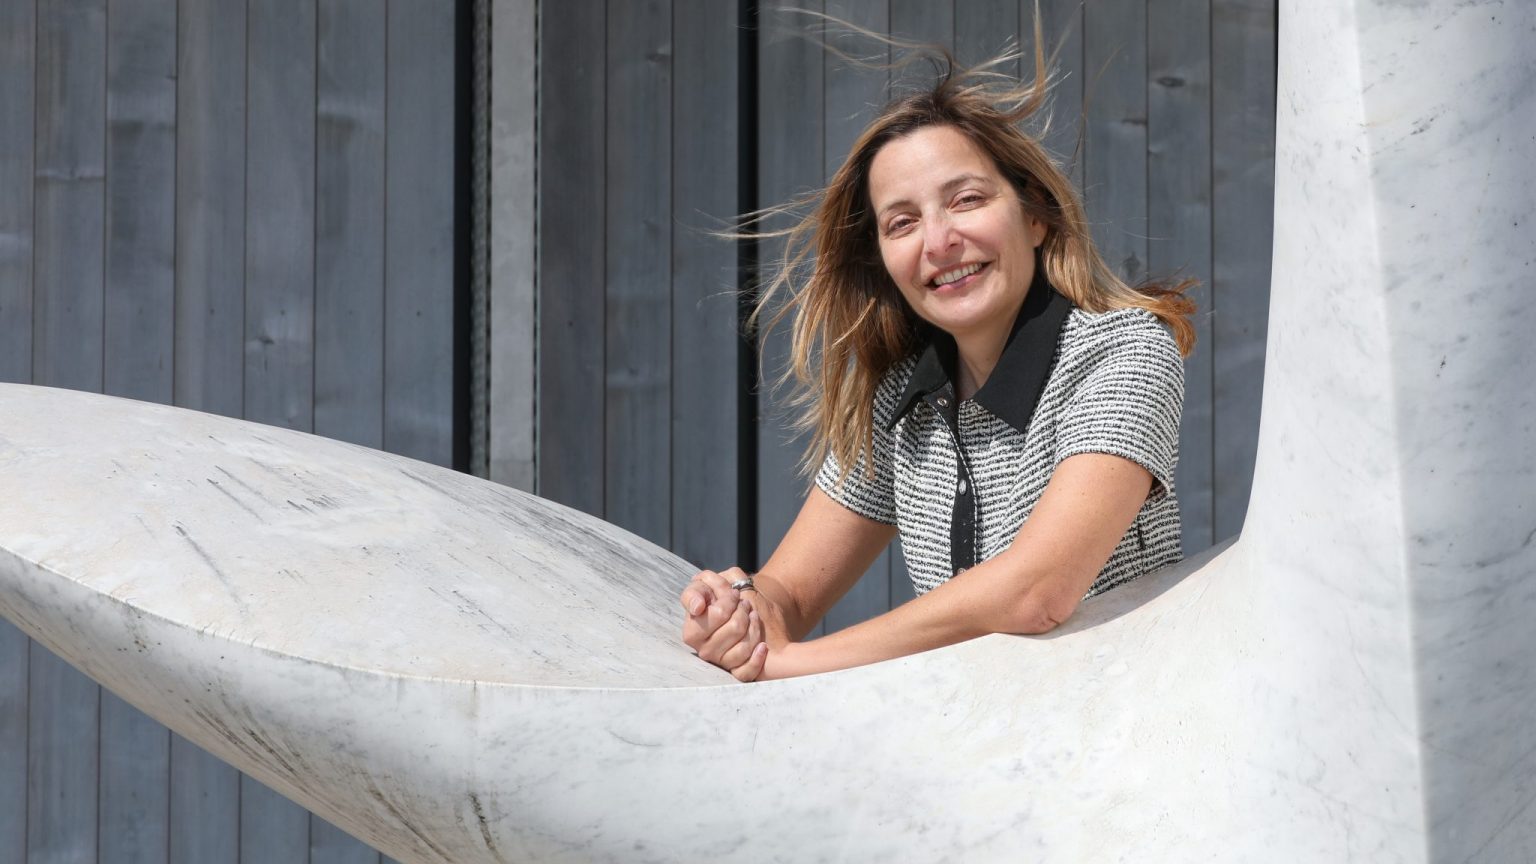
(725, 626)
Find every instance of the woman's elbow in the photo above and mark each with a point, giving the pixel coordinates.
(1040, 612)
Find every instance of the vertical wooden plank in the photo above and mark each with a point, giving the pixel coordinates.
(210, 206)
(571, 254)
(419, 231)
(135, 783)
(15, 650)
(349, 222)
(205, 807)
(1115, 150)
(513, 371)
(273, 830)
(638, 271)
(70, 217)
(17, 112)
(706, 346)
(790, 162)
(853, 98)
(141, 199)
(1243, 141)
(1061, 26)
(983, 28)
(62, 770)
(1179, 216)
(280, 214)
(331, 845)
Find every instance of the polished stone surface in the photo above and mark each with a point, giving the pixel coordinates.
(458, 672)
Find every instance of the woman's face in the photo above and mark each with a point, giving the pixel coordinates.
(953, 234)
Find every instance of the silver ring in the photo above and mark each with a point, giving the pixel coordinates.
(744, 585)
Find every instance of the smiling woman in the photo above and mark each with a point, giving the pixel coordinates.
(973, 376)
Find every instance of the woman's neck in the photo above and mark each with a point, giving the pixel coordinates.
(978, 357)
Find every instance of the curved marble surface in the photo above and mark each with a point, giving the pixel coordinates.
(457, 672)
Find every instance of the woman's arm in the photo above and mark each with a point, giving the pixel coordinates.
(1031, 587)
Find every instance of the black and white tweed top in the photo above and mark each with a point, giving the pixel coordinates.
(1068, 382)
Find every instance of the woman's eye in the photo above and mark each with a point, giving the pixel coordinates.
(899, 224)
(970, 199)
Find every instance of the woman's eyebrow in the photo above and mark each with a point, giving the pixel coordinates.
(949, 186)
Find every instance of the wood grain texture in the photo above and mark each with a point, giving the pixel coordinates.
(349, 221)
(1115, 146)
(790, 163)
(419, 233)
(70, 219)
(1061, 25)
(205, 807)
(62, 769)
(637, 385)
(854, 96)
(707, 348)
(273, 830)
(571, 256)
(210, 207)
(331, 845)
(984, 29)
(135, 786)
(18, 25)
(513, 370)
(1243, 141)
(280, 214)
(1179, 216)
(15, 650)
(141, 200)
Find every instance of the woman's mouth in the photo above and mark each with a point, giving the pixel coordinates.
(958, 277)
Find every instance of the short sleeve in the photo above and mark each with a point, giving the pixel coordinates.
(1128, 403)
(870, 496)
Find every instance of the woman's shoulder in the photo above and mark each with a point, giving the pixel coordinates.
(1132, 328)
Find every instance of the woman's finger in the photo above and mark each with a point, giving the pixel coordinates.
(697, 596)
(750, 670)
(739, 653)
(727, 635)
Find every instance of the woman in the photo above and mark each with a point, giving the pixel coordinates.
(975, 377)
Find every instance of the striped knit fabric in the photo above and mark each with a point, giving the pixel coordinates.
(1117, 387)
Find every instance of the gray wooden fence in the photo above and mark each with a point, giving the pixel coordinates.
(196, 208)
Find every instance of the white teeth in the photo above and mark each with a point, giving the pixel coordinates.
(954, 275)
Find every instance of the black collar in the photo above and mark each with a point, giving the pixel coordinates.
(1014, 387)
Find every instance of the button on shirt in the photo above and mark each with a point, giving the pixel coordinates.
(958, 478)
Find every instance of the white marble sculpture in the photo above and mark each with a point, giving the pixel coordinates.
(458, 672)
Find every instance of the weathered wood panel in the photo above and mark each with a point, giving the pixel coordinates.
(1061, 28)
(62, 775)
(205, 807)
(983, 29)
(141, 199)
(1115, 152)
(331, 845)
(15, 650)
(637, 461)
(571, 254)
(708, 353)
(210, 207)
(349, 221)
(790, 163)
(854, 95)
(273, 830)
(17, 110)
(280, 214)
(514, 40)
(419, 301)
(1179, 214)
(135, 786)
(70, 220)
(1243, 141)
(18, 41)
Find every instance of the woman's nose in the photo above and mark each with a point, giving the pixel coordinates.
(939, 234)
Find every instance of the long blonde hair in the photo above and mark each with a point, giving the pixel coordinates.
(850, 323)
